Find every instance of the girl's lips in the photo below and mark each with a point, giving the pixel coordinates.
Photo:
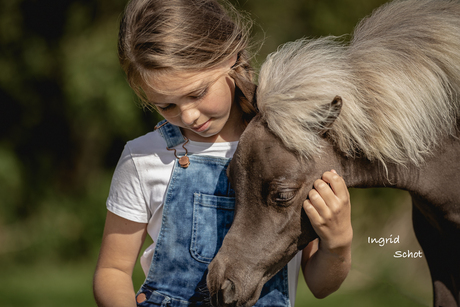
(202, 127)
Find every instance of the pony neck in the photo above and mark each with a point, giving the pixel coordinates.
(362, 173)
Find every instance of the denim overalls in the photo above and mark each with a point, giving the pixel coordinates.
(198, 211)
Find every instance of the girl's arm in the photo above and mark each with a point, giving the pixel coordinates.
(121, 244)
(326, 261)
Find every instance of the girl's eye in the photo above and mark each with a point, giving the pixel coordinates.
(165, 108)
(200, 95)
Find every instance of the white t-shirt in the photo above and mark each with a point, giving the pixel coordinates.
(140, 181)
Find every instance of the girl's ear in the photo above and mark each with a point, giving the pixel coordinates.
(332, 112)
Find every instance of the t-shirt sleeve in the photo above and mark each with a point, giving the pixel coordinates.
(126, 197)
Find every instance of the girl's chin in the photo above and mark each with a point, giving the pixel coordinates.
(205, 136)
(210, 134)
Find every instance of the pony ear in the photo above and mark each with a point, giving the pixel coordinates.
(333, 112)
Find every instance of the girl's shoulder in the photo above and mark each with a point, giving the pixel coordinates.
(151, 143)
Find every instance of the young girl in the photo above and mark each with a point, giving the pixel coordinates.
(188, 60)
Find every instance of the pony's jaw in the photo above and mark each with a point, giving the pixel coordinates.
(266, 233)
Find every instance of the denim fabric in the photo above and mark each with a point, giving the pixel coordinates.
(170, 133)
(197, 214)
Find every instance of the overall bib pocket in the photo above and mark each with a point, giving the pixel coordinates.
(212, 218)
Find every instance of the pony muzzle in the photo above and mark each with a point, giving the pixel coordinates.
(227, 288)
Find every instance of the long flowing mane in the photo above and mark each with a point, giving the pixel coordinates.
(399, 79)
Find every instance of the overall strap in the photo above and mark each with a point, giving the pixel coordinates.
(172, 134)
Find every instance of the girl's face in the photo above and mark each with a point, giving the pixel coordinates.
(201, 103)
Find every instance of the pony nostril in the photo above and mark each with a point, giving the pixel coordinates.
(229, 297)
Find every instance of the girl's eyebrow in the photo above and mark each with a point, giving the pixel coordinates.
(200, 88)
(204, 85)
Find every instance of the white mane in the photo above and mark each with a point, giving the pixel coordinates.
(399, 80)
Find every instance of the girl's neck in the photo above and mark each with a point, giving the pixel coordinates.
(218, 138)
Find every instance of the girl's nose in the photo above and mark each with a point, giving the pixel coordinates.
(190, 115)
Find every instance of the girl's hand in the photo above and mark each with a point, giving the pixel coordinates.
(328, 208)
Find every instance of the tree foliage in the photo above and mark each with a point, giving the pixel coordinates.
(66, 110)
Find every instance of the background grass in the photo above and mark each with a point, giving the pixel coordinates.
(376, 278)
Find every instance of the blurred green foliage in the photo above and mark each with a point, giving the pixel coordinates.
(66, 112)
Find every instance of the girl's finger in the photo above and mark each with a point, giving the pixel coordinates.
(336, 183)
(312, 213)
(319, 203)
(325, 192)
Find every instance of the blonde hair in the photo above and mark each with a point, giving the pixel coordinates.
(399, 80)
(158, 36)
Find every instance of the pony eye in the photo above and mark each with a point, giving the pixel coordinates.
(282, 191)
(285, 195)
